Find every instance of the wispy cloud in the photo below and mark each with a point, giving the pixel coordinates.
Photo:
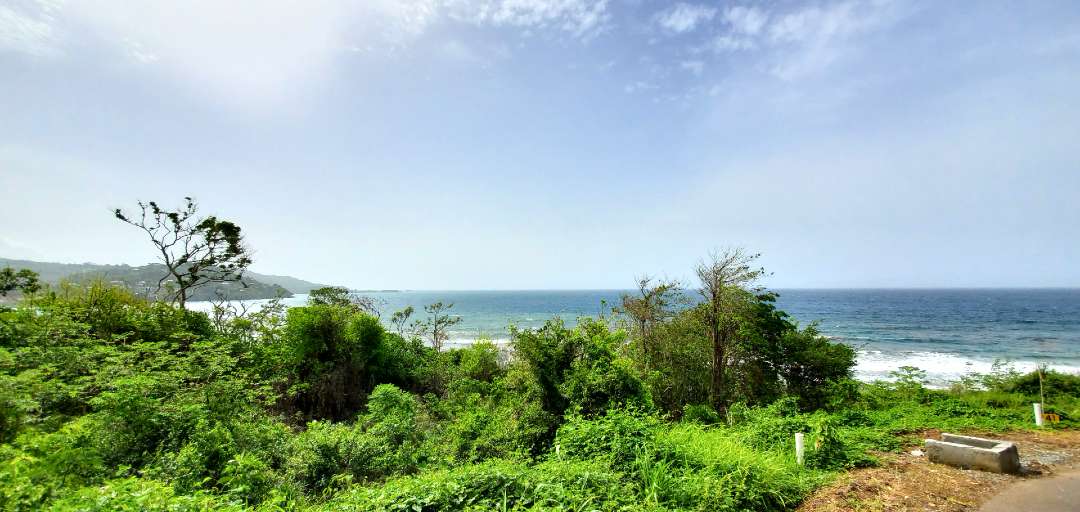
(806, 40)
(140, 54)
(745, 20)
(745, 25)
(821, 36)
(581, 18)
(252, 56)
(24, 34)
(682, 18)
(258, 55)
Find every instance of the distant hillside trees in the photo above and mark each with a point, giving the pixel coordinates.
(196, 250)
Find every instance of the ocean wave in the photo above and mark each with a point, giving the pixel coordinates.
(941, 367)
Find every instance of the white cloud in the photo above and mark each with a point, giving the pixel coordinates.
(139, 54)
(821, 36)
(682, 18)
(745, 20)
(22, 34)
(408, 16)
(746, 25)
(732, 43)
(582, 18)
(260, 53)
(807, 40)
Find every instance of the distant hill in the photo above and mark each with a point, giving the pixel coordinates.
(144, 280)
(289, 283)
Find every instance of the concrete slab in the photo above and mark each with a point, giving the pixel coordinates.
(974, 452)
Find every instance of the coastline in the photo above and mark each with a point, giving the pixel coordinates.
(888, 328)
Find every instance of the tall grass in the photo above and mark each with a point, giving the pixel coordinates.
(681, 467)
(719, 471)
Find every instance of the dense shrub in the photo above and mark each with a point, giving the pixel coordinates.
(1054, 384)
(330, 351)
(111, 403)
(579, 367)
(617, 436)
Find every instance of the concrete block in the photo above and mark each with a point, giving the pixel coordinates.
(974, 452)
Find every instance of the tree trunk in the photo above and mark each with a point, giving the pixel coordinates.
(718, 389)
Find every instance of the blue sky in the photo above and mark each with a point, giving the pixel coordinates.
(516, 144)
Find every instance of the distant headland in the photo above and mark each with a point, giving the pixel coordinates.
(144, 280)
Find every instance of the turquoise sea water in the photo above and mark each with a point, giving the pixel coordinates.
(946, 332)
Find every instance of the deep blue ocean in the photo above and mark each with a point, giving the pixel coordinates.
(945, 332)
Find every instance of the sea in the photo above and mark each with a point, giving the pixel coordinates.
(945, 332)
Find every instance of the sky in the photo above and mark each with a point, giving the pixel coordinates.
(554, 144)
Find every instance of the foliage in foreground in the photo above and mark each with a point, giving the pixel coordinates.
(112, 403)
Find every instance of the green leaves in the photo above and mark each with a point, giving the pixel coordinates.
(25, 280)
(196, 250)
(579, 367)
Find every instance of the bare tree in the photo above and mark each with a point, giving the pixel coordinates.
(399, 320)
(438, 323)
(727, 287)
(226, 311)
(195, 250)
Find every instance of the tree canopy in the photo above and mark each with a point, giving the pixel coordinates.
(195, 250)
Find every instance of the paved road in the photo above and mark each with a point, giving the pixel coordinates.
(1058, 493)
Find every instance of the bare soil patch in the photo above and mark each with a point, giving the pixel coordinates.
(907, 482)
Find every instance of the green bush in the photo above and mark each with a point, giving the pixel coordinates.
(616, 436)
(111, 403)
(480, 361)
(706, 415)
(1055, 384)
(323, 452)
(580, 367)
(331, 347)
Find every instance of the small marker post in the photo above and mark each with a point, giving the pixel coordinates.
(1038, 415)
(800, 448)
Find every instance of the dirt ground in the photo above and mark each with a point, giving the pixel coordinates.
(907, 482)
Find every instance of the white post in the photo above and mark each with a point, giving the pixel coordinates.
(800, 448)
(1038, 415)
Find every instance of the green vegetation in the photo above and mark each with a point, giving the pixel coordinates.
(202, 259)
(143, 280)
(196, 250)
(109, 401)
(25, 280)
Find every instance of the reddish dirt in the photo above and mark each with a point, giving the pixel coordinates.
(906, 482)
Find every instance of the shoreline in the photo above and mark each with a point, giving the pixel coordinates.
(875, 359)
